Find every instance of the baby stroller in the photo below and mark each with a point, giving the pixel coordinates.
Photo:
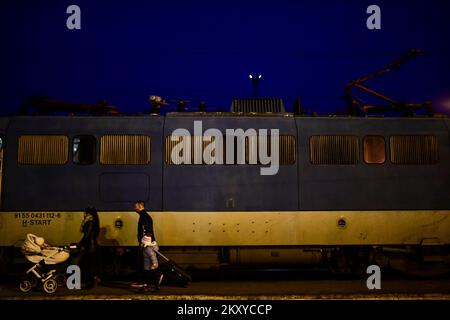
(45, 260)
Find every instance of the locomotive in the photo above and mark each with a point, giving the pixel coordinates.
(349, 191)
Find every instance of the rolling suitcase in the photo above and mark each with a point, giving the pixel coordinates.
(172, 272)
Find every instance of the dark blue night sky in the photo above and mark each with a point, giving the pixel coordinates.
(204, 50)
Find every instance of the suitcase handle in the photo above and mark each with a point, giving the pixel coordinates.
(162, 256)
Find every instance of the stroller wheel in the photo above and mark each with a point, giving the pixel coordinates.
(25, 285)
(60, 279)
(50, 285)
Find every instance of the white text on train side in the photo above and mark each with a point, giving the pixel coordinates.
(208, 148)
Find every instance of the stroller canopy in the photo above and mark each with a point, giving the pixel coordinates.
(35, 250)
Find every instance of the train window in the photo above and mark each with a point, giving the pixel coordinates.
(43, 149)
(125, 149)
(334, 149)
(180, 149)
(1, 161)
(84, 149)
(288, 150)
(414, 149)
(251, 148)
(374, 149)
(190, 148)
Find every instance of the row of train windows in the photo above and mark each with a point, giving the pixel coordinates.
(202, 149)
(344, 150)
(114, 149)
(135, 149)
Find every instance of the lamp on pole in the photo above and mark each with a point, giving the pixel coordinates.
(255, 83)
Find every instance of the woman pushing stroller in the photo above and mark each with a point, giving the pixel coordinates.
(43, 255)
(89, 249)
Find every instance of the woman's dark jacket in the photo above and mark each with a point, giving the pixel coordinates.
(90, 234)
